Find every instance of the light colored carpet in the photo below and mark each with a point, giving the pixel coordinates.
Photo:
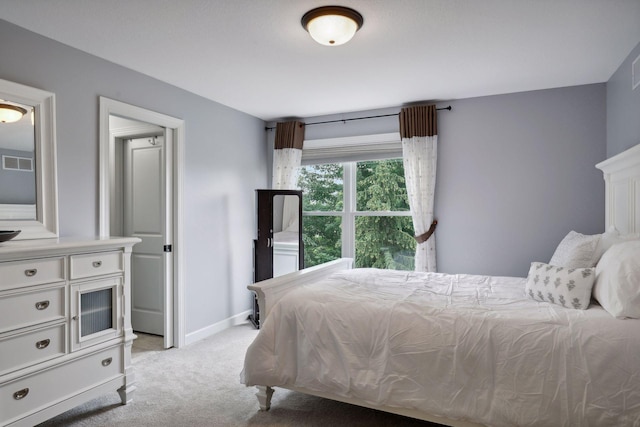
(199, 385)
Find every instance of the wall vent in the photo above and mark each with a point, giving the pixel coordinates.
(17, 163)
(635, 73)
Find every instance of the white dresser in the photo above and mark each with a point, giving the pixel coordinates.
(65, 325)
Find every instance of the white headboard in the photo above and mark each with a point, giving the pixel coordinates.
(622, 191)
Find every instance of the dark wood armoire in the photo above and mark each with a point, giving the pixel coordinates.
(278, 238)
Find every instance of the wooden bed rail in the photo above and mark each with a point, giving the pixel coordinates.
(271, 290)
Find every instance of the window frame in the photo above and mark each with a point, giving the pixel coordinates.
(350, 212)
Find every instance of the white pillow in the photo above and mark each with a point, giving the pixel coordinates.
(568, 287)
(608, 239)
(617, 286)
(576, 251)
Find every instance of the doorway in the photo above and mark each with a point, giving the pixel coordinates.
(140, 182)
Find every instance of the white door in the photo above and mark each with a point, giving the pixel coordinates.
(145, 217)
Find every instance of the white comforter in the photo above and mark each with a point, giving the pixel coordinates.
(457, 346)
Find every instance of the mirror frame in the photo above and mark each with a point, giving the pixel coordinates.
(46, 223)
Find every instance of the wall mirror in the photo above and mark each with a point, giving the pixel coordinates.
(28, 181)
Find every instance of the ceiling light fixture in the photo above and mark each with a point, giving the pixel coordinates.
(11, 113)
(332, 25)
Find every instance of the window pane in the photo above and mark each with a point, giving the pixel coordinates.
(322, 237)
(385, 242)
(380, 186)
(322, 187)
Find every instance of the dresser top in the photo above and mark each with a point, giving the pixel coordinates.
(44, 247)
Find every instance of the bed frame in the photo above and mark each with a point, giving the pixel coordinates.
(622, 191)
(622, 211)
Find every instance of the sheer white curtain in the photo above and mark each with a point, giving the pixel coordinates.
(286, 162)
(418, 130)
(287, 155)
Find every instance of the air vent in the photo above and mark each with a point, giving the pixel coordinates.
(17, 163)
(635, 73)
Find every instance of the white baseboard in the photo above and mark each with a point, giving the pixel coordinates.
(217, 327)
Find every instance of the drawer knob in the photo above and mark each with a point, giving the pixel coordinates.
(97, 264)
(42, 305)
(107, 361)
(21, 394)
(30, 272)
(43, 344)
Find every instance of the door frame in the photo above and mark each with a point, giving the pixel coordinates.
(175, 168)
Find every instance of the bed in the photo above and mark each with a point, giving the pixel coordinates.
(466, 350)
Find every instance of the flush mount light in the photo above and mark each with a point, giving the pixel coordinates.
(332, 25)
(11, 113)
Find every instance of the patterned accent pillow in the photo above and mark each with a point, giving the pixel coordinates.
(576, 251)
(568, 287)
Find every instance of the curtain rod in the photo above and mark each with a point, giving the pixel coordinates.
(356, 118)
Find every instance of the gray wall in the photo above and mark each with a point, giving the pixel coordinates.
(225, 161)
(516, 173)
(623, 108)
(17, 186)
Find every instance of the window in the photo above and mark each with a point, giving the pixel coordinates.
(358, 210)
(17, 163)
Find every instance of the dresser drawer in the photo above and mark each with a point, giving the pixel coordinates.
(96, 264)
(32, 272)
(27, 395)
(43, 304)
(26, 349)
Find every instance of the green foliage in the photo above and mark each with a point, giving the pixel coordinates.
(380, 186)
(385, 242)
(322, 239)
(381, 241)
(322, 188)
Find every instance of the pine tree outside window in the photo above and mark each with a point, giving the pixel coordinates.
(358, 210)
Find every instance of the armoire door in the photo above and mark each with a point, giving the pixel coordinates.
(279, 216)
(263, 255)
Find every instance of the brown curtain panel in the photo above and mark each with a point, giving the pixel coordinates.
(421, 120)
(289, 135)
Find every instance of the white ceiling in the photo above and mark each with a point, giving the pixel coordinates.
(254, 56)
